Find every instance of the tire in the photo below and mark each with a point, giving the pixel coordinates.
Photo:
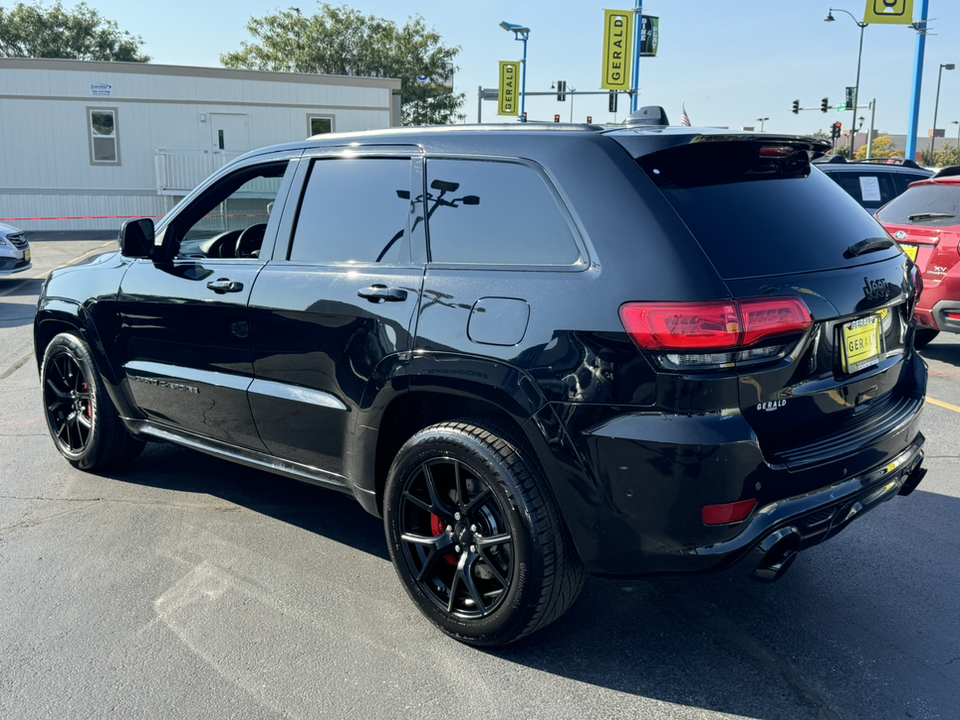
(475, 535)
(82, 419)
(923, 336)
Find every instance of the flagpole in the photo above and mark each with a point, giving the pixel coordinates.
(637, 23)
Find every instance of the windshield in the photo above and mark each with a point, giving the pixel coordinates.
(931, 205)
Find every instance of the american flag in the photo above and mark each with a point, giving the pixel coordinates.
(684, 119)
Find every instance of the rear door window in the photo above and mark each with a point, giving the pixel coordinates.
(868, 189)
(354, 210)
(756, 216)
(495, 213)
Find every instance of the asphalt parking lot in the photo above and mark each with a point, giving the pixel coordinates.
(189, 587)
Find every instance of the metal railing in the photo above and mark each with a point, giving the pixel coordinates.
(180, 171)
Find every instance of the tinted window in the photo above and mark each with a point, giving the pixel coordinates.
(868, 189)
(757, 216)
(924, 205)
(495, 213)
(354, 210)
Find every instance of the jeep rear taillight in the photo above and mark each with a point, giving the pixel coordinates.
(716, 334)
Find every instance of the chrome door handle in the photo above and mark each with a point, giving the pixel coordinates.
(223, 285)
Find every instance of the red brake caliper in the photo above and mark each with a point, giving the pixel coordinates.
(86, 389)
(438, 528)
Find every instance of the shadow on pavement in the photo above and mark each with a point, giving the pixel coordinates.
(15, 287)
(824, 642)
(318, 510)
(948, 352)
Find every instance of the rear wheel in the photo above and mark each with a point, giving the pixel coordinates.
(81, 418)
(475, 536)
(923, 336)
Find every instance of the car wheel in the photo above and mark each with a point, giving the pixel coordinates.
(80, 415)
(475, 534)
(923, 336)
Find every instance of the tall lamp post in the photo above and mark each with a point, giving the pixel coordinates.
(957, 123)
(936, 106)
(520, 33)
(762, 121)
(856, 90)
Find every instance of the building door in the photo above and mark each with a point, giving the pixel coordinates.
(229, 132)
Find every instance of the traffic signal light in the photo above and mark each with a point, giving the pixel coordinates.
(839, 125)
(589, 119)
(796, 107)
(556, 118)
(561, 90)
(835, 130)
(824, 104)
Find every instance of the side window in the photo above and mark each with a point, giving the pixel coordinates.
(494, 213)
(230, 219)
(354, 210)
(319, 124)
(104, 140)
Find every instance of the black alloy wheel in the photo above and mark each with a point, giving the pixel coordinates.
(455, 535)
(82, 420)
(66, 394)
(475, 535)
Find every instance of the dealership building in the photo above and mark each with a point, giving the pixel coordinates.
(86, 145)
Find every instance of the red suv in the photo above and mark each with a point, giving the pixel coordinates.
(925, 220)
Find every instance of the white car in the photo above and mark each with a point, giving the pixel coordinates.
(14, 250)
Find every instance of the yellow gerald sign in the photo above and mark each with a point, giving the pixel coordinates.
(617, 49)
(509, 88)
(891, 12)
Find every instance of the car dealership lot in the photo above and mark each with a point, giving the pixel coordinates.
(191, 587)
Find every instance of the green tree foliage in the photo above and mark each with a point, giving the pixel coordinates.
(883, 147)
(946, 156)
(77, 34)
(342, 41)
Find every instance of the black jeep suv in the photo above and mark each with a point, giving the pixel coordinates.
(537, 351)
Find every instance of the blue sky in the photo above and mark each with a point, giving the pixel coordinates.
(730, 61)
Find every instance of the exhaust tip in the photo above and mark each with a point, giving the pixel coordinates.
(778, 551)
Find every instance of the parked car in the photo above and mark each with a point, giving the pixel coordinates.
(14, 250)
(925, 221)
(536, 351)
(872, 183)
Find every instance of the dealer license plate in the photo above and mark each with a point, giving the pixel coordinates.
(862, 343)
(911, 251)
(26, 256)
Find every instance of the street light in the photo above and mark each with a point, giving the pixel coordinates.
(520, 33)
(762, 121)
(936, 106)
(856, 90)
(957, 123)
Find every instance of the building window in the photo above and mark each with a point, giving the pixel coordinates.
(319, 124)
(104, 142)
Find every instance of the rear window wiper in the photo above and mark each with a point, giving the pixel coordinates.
(928, 216)
(867, 246)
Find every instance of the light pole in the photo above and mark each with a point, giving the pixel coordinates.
(762, 121)
(957, 123)
(520, 33)
(856, 88)
(936, 106)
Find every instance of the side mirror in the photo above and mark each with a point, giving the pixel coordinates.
(136, 238)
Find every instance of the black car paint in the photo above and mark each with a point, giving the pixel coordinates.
(632, 453)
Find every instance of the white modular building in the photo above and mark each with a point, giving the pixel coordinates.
(86, 145)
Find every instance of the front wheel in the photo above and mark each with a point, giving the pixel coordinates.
(475, 535)
(81, 418)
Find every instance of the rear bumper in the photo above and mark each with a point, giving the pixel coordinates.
(653, 473)
(939, 306)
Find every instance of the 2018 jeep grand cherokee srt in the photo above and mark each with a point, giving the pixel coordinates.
(538, 351)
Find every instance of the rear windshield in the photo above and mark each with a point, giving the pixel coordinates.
(756, 216)
(924, 205)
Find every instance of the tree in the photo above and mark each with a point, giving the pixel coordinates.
(947, 156)
(342, 41)
(77, 34)
(883, 147)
